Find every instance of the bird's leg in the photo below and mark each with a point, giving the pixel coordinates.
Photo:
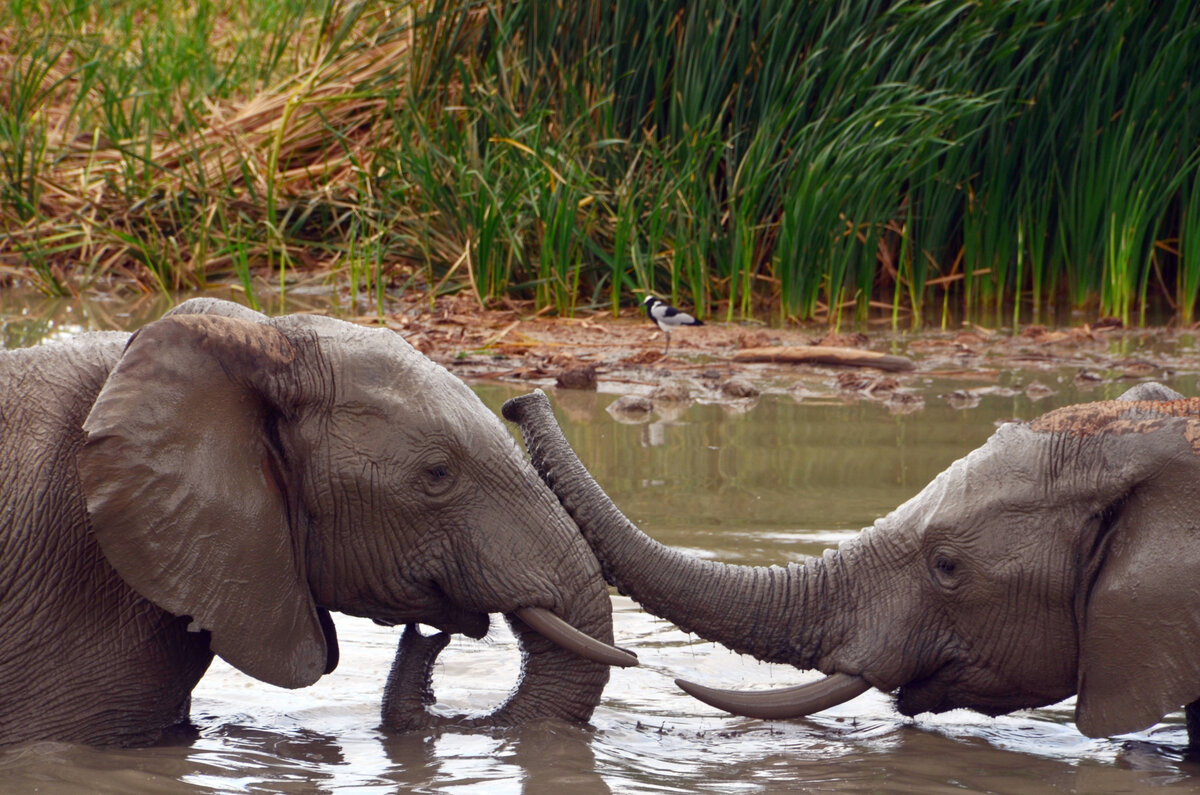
(668, 336)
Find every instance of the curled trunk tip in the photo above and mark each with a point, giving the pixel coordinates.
(516, 409)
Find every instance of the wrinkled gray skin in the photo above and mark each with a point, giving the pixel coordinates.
(224, 482)
(1062, 557)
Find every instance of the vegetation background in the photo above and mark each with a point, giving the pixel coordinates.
(808, 160)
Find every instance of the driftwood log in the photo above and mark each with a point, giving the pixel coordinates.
(821, 354)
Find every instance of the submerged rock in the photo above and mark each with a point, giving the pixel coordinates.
(630, 409)
(904, 402)
(672, 392)
(962, 398)
(581, 377)
(739, 388)
(1036, 391)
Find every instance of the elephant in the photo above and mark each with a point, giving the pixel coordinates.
(219, 481)
(1060, 558)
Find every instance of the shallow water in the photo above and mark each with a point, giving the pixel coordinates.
(767, 482)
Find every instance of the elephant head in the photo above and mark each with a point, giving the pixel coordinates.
(1061, 557)
(253, 474)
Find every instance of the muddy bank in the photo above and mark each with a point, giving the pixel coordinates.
(730, 362)
(717, 362)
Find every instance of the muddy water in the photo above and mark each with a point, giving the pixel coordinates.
(771, 481)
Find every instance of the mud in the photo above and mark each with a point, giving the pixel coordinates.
(904, 370)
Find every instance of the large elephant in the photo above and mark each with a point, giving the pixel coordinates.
(1062, 557)
(220, 481)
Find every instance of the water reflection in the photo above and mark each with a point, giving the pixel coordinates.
(699, 473)
(29, 319)
(775, 480)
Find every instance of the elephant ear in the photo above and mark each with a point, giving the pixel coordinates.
(1139, 655)
(188, 496)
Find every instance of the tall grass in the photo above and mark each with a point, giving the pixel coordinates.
(827, 160)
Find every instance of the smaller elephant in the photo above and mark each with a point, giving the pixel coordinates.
(1060, 558)
(220, 481)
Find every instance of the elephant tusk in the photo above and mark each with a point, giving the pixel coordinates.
(555, 629)
(784, 703)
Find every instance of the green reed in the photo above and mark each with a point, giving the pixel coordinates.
(816, 160)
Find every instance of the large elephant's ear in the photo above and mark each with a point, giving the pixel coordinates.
(187, 493)
(1139, 607)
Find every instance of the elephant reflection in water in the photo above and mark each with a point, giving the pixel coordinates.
(220, 481)
(1060, 558)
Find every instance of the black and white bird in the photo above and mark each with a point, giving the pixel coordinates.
(667, 317)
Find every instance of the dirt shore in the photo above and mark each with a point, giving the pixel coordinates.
(716, 362)
(722, 361)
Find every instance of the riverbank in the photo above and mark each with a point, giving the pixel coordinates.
(513, 342)
(732, 361)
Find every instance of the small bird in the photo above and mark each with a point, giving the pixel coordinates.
(667, 317)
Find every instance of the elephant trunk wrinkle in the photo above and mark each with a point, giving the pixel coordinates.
(555, 683)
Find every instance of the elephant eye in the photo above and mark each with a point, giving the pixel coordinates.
(437, 479)
(945, 570)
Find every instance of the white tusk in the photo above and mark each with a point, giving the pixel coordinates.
(784, 703)
(555, 629)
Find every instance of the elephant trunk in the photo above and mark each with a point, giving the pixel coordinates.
(737, 606)
(556, 681)
(740, 607)
(566, 650)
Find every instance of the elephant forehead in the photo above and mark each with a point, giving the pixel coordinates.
(368, 362)
(1118, 418)
(376, 372)
(414, 393)
(325, 327)
(375, 355)
(968, 487)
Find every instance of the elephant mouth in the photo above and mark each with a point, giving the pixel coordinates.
(458, 620)
(930, 692)
(940, 694)
(922, 695)
(473, 624)
(944, 690)
(439, 612)
(451, 616)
